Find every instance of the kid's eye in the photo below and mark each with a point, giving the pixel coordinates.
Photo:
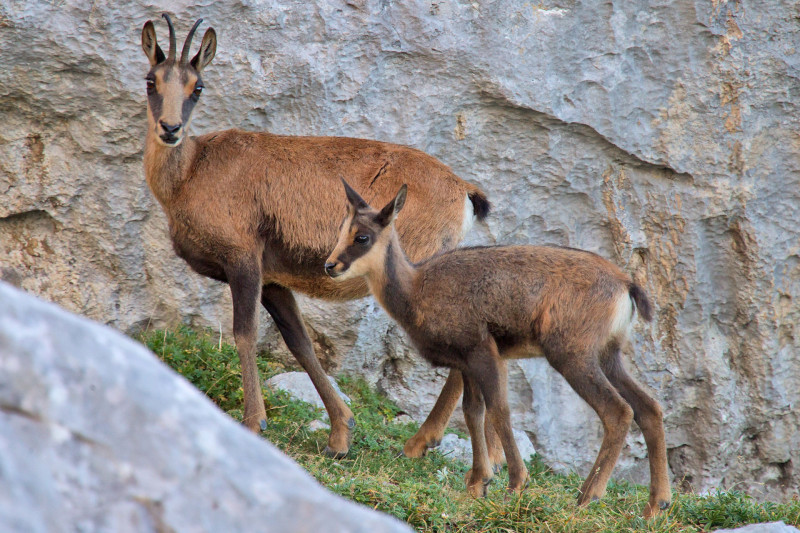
(198, 90)
(362, 239)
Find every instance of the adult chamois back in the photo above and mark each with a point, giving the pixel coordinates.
(259, 211)
(470, 309)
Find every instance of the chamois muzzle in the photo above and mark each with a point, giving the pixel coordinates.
(330, 269)
(171, 133)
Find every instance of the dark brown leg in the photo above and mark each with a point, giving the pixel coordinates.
(281, 305)
(431, 431)
(493, 444)
(648, 416)
(479, 476)
(587, 379)
(489, 371)
(245, 283)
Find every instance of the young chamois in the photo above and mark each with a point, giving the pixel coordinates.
(470, 309)
(259, 211)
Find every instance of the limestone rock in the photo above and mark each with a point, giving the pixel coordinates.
(318, 425)
(300, 387)
(664, 137)
(458, 449)
(97, 435)
(402, 419)
(771, 527)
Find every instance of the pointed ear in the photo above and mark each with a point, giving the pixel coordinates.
(207, 50)
(389, 212)
(150, 46)
(353, 197)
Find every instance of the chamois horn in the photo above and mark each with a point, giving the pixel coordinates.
(188, 44)
(172, 45)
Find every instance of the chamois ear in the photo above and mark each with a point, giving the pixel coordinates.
(207, 50)
(390, 210)
(353, 197)
(150, 46)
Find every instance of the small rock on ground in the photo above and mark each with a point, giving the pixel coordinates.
(402, 419)
(454, 447)
(770, 527)
(300, 387)
(317, 425)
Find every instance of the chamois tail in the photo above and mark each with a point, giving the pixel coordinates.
(480, 204)
(642, 302)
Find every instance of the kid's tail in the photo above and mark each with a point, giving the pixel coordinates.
(642, 302)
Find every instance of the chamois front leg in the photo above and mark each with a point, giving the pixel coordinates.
(480, 475)
(244, 279)
(489, 372)
(431, 431)
(648, 416)
(281, 305)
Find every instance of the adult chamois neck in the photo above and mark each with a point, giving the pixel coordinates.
(166, 167)
(392, 282)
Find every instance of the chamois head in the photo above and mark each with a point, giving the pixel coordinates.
(363, 236)
(173, 87)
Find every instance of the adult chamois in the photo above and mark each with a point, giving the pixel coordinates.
(470, 309)
(259, 211)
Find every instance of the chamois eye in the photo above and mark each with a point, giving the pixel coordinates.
(197, 90)
(151, 85)
(362, 239)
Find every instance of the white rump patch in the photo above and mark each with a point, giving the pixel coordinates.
(622, 318)
(469, 217)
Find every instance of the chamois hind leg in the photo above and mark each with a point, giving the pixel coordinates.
(489, 371)
(584, 375)
(244, 279)
(281, 305)
(431, 431)
(480, 475)
(648, 416)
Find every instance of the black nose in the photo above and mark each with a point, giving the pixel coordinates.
(169, 128)
(329, 267)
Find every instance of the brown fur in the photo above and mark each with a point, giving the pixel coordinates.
(471, 309)
(260, 211)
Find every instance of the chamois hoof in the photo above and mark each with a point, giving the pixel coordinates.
(333, 454)
(261, 426)
(584, 499)
(414, 450)
(650, 511)
(519, 487)
(478, 490)
(351, 423)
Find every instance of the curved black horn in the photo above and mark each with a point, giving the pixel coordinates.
(172, 45)
(188, 44)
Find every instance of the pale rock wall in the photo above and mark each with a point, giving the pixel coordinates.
(663, 136)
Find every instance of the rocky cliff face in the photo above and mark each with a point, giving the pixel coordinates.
(664, 137)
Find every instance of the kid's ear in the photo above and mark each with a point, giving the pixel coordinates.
(353, 197)
(390, 210)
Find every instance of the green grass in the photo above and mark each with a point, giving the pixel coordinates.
(429, 493)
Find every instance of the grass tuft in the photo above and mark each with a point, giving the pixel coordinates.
(429, 493)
